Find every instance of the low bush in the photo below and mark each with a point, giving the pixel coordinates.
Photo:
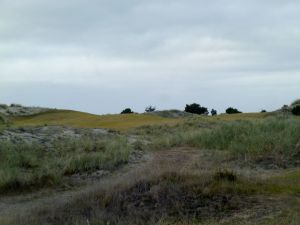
(127, 111)
(213, 112)
(150, 109)
(296, 102)
(296, 110)
(231, 110)
(196, 109)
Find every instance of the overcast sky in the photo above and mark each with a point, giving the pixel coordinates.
(101, 56)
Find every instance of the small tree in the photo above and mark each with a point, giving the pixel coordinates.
(231, 110)
(127, 111)
(296, 110)
(150, 108)
(213, 112)
(196, 109)
(263, 111)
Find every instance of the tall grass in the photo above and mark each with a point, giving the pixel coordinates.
(275, 138)
(24, 165)
(112, 154)
(171, 198)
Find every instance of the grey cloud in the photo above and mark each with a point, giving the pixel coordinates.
(185, 45)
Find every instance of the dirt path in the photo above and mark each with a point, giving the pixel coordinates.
(150, 164)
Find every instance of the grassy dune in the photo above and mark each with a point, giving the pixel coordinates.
(118, 122)
(86, 120)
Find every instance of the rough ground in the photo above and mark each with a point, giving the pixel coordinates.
(151, 164)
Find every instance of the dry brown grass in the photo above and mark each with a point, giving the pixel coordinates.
(168, 188)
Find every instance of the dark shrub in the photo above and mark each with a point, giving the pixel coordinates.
(213, 112)
(150, 109)
(263, 111)
(296, 110)
(196, 109)
(231, 110)
(127, 111)
(296, 102)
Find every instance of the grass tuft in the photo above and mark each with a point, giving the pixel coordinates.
(25, 166)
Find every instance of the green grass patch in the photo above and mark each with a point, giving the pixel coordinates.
(85, 120)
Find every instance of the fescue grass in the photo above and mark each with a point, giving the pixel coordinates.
(85, 120)
(176, 198)
(274, 138)
(25, 166)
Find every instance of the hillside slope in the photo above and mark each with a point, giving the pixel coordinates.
(86, 120)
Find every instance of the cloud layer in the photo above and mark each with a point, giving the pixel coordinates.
(242, 53)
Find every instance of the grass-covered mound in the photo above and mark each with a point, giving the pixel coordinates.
(86, 120)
